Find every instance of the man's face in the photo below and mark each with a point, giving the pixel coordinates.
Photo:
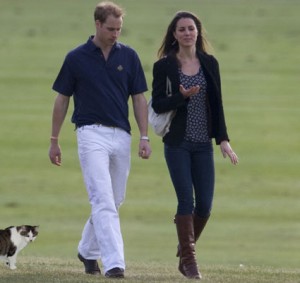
(109, 31)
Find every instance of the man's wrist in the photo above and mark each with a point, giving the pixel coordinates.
(144, 138)
(54, 139)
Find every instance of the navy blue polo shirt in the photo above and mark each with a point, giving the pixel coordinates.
(101, 88)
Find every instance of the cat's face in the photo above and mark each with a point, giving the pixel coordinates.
(29, 233)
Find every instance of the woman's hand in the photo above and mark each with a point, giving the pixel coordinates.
(227, 150)
(190, 91)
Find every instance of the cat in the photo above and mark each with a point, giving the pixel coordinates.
(13, 239)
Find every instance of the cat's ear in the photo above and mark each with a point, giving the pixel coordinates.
(21, 228)
(36, 228)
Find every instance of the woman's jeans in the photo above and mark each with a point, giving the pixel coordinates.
(191, 167)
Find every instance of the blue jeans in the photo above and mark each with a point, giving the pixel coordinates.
(191, 167)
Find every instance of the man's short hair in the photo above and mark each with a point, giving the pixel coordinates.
(104, 9)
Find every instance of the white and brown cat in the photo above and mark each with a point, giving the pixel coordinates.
(13, 239)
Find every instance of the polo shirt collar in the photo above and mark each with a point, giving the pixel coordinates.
(91, 45)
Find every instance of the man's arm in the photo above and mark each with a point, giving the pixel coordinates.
(60, 109)
(140, 110)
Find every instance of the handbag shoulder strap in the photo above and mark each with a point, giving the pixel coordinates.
(168, 87)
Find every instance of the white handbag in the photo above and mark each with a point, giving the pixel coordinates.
(160, 123)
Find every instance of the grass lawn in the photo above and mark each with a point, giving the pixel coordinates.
(255, 221)
(36, 270)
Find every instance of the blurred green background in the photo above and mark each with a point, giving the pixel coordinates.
(256, 214)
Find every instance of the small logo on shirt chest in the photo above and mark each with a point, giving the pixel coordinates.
(120, 68)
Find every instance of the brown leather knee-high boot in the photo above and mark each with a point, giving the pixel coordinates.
(187, 256)
(199, 224)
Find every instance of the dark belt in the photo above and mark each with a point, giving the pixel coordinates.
(100, 124)
(97, 124)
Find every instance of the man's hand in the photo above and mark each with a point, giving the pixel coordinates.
(55, 154)
(144, 149)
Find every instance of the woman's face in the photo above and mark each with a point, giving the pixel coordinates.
(186, 32)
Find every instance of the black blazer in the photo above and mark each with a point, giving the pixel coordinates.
(168, 67)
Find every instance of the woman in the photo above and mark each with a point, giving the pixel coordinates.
(196, 97)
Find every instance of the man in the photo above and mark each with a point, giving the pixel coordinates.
(101, 75)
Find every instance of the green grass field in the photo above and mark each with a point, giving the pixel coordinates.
(254, 232)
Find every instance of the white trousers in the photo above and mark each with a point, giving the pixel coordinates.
(104, 154)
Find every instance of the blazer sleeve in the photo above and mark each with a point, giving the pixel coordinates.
(221, 133)
(160, 101)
